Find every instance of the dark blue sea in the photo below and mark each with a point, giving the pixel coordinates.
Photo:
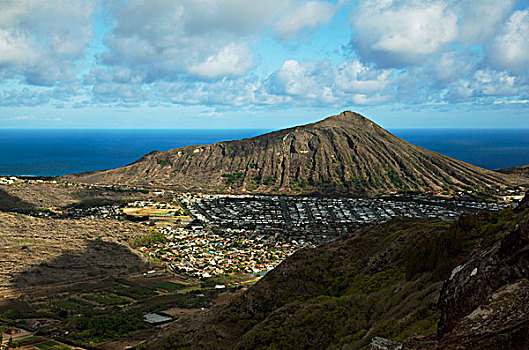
(487, 148)
(58, 152)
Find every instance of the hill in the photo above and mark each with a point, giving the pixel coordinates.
(27, 197)
(517, 170)
(43, 252)
(383, 281)
(346, 153)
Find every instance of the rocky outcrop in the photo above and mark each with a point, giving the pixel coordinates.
(484, 303)
(473, 284)
(346, 153)
(379, 343)
(501, 321)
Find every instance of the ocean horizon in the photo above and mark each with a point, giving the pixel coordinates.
(54, 152)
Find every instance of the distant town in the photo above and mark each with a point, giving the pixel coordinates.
(211, 235)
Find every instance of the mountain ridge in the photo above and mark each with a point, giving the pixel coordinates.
(346, 153)
(522, 170)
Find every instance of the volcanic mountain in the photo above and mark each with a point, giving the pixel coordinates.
(346, 153)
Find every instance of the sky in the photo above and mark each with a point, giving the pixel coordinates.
(263, 64)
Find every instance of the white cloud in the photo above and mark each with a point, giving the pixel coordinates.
(18, 118)
(483, 86)
(451, 66)
(479, 20)
(41, 40)
(322, 84)
(207, 39)
(304, 16)
(15, 48)
(356, 77)
(519, 102)
(361, 99)
(293, 79)
(201, 52)
(492, 83)
(511, 47)
(230, 61)
(400, 33)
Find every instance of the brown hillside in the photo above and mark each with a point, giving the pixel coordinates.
(346, 153)
(517, 170)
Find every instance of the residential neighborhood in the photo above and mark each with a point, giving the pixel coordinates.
(200, 252)
(207, 235)
(284, 211)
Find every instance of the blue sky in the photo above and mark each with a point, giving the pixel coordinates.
(267, 64)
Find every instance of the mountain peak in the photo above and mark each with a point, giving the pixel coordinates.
(346, 118)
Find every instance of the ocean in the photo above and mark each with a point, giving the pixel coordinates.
(59, 152)
(488, 148)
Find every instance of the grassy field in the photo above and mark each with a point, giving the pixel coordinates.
(169, 286)
(107, 299)
(51, 345)
(162, 214)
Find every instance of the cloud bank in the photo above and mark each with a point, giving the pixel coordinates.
(270, 54)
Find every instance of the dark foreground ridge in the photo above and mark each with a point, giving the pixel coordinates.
(426, 284)
(346, 154)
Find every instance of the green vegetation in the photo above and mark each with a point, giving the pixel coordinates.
(210, 282)
(442, 252)
(50, 345)
(169, 286)
(78, 301)
(135, 292)
(149, 239)
(63, 308)
(94, 329)
(107, 299)
(12, 314)
(327, 185)
(233, 179)
(163, 161)
(395, 178)
(23, 341)
(269, 179)
(298, 183)
(96, 202)
(358, 182)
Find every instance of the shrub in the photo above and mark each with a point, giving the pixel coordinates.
(233, 178)
(148, 239)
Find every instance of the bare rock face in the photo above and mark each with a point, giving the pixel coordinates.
(346, 153)
(485, 302)
(378, 343)
(500, 322)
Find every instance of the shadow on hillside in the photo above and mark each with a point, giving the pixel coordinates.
(11, 203)
(93, 259)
